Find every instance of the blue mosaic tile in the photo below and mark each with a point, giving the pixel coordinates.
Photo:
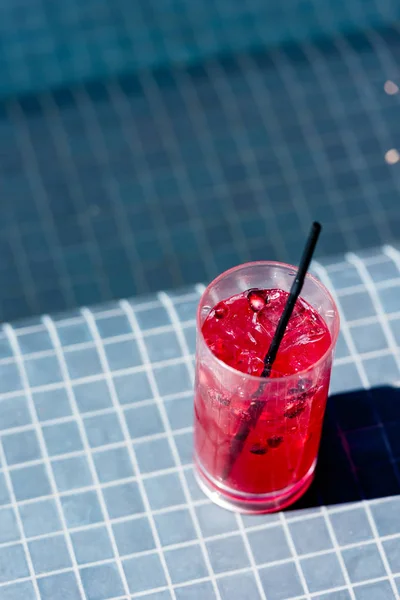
(143, 420)
(62, 438)
(256, 520)
(310, 535)
(186, 309)
(341, 349)
(81, 509)
(340, 595)
(381, 590)
(83, 363)
(227, 554)
(162, 595)
(185, 564)
(369, 339)
(180, 412)
(381, 369)
(71, 473)
(214, 520)
(133, 536)
(190, 337)
(49, 554)
(8, 526)
(383, 271)
(39, 518)
(103, 429)
(113, 464)
(42, 371)
(38, 341)
(154, 455)
(93, 395)
(184, 444)
(363, 563)
(172, 379)
(112, 326)
(392, 551)
(5, 348)
(175, 527)
(10, 380)
(62, 586)
(52, 404)
(123, 500)
(193, 487)
(269, 545)
(14, 412)
(345, 378)
(389, 299)
(91, 545)
(163, 346)
(123, 355)
(240, 587)
(345, 277)
(197, 591)
(357, 306)
(387, 516)
(19, 591)
(281, 581)
(12, 563)
(149, 318)
(322, 572)
(395, 328)
(73, 333)
(351, 526)
(30, 482)
(102, 581)
(21, 447)
(134, 387)
(164, 490)
(144, 573)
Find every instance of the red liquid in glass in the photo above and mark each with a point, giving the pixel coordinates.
(282, 446)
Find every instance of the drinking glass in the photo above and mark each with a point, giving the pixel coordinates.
(255, 477)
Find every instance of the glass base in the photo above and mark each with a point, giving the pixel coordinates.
(251, 503)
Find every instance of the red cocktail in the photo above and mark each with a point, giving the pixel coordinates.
(237, 319)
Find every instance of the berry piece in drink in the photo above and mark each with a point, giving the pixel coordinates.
(274, 441)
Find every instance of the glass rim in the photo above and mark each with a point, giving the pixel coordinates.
(258, 378)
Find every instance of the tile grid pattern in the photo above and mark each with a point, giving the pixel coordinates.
(169, 177)
(48, 43)
(97, 495)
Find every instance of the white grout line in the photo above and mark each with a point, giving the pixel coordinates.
(108, 341)
(15, 507)
(225, 574)
(172, 444)
(86, 446)
(263, 527)
(324, 277)
(62, 146)
(377, 304)
(166, 301)
(337, 549)
(187, 359)
(250, 555)
(43, 449)
(188, 194)
(295, 556)
(145, 174)
(40, 197)
(88, 315)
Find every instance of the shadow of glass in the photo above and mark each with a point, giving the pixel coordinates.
(360, 449)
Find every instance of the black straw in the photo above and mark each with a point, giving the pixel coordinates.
(256, 406)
